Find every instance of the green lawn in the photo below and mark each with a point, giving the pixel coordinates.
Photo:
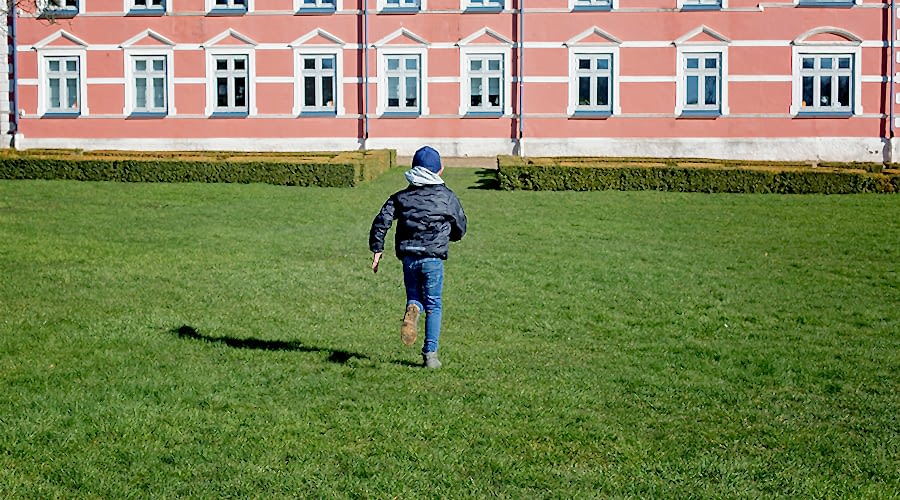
(211, 341)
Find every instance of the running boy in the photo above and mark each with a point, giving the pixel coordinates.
(429, 216)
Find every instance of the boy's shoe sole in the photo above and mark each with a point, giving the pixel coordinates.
(408, 330)
(430, 360)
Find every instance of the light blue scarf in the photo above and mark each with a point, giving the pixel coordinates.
(421, 176)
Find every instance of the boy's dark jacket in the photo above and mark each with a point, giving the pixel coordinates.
(428, 219)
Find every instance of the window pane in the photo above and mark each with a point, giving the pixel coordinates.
(711, 89)
(328, 63)
(72, 93)
(240, 64)
(693, 63)
(603, 91)
(309, 63)
(475, 91)
(826, 63)
(825, 91)
(411, 91)
(494, 91)
(159, 94)
(54, 94)
(140, 65)
(692, 90)
(809, 63)
(309, 91)
(494, 65)
(393, 64)
(710, 63)
(412, 63)
(808, 90)
(140, 92)
(328, 91)
(222, 91)
(843, 91)
(584, 91)
(71, 65)
(584, 64)
(240, 92)
(844, 63)
(393, 91)
(54, 65)
(159, 65)
(475, 65)
(221, 64)
(602, 63)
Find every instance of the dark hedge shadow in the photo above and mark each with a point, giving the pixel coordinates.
(487, 179)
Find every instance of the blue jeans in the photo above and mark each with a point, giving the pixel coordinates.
(424, 280)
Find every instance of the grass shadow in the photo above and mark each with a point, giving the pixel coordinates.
(487, 179)
(334, 355)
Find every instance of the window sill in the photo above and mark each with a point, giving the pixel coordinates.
(317, 114)
(58, 14)
(701, 7)
(229, 114)
(484, 10)
(61, 114)
(145, 13)
(399, 10)
(591, 115)
(315, 11)
(400, 114)
(145, 115)
(226, 12)
(824, 114)
(844, 5)
(483, 114)
(700, 115)
(592, 8)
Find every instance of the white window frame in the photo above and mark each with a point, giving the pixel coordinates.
(46, 7)
(130, 90)
(299, 89)
(43, 106)
(381, 107)
(701, 4)
(404, 5)
(701, 72)
(593, 4)
(826, 3)
(210, 5)
(300, 6)
(837, 49)
(466, 54)
(130, 6)
(465, 5)
(682, 52)
(211, 55)
(575, 52)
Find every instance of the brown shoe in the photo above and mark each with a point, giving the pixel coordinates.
(408, 330)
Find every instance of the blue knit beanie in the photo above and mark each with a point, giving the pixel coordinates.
(427, 157)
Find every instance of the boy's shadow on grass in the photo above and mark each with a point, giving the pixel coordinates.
(335, 355)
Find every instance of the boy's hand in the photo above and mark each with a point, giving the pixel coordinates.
(376, 258)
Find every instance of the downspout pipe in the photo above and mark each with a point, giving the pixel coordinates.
(521, 77)
(365, 78)
(14, 74)
(893, 97)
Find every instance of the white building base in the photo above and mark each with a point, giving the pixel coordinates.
(840, 149)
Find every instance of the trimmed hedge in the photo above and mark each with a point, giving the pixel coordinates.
(706, 176)
(340, 169)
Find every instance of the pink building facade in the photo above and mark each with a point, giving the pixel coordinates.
(788, 80)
